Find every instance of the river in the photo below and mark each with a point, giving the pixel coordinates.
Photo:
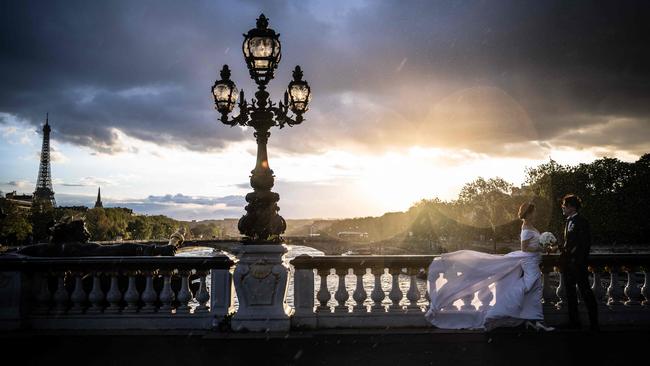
(332, 280)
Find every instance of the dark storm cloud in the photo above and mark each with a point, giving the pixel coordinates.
(468, 74)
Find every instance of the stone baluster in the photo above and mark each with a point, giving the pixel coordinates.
(377, 295)
(548, 294)
(631, 291)
(61, 296)
(614, 293)
(184, 294)
(560, 292)
(341, 294)
(78, 296)
(485, 295)
(149, 295)
(303, 292)
(579, 294)
(360, 294)
(202, 295)
(413, 293)
(131, 296)
(450, 276)
(597, 285)
(167, 294)
(96, 295)
(395, 295)
(114, 295)
(431, 285)
(323, 294)
(221, 296)
(43, 295)
(467, 302)
(645, 291)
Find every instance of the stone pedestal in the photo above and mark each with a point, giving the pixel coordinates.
(261, 284)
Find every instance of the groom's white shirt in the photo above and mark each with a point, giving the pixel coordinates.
(570, 223)
(569, 227)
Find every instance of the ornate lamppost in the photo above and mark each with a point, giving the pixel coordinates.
(260, 276)
(262, 51)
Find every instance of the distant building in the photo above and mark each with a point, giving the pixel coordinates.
(21, 200)
(353, 235)
(98, 203)
(73, 208)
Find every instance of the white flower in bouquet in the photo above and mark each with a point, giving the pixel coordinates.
(546, 239)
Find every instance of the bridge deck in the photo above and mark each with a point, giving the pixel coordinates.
(612, 346)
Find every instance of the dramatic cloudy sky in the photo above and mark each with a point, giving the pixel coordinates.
(411, 98)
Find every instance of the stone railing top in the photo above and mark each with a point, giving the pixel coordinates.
(422, 261)
(604, 259)
(19, 263)
(366, 261)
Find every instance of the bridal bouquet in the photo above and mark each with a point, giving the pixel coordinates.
(547, 239)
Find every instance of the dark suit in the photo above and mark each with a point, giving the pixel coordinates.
(574, 255)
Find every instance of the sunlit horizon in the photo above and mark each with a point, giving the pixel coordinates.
(156, 179)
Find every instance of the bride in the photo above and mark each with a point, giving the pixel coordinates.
(510, 285)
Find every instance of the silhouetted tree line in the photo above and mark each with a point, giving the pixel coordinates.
(614, 193)
(20, 226)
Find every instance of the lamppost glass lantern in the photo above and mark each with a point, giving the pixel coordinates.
(224, 92)
(298, 92)
(262, 51)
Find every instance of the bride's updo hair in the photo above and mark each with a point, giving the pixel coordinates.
(525, 209)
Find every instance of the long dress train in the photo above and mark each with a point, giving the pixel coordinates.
(511, 284)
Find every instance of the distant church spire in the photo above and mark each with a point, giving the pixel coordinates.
(44, 191)
(98, 203)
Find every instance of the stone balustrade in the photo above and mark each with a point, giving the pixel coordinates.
(619, 282)
(377, 298)
(328, 292)
(391, 291)
(114, 292)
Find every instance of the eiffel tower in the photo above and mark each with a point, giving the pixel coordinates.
(44, 192)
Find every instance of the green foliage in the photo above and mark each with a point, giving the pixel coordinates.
(614, 195)
(106, 224)
(41, 216)
(15, 226)
(162, 227)
(139, 228)
(98, 224)
(206, 231)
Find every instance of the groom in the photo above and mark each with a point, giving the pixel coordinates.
(573, 258)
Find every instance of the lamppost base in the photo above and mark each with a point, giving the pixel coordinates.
(260, 279)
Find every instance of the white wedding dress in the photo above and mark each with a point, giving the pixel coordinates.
(511, 284)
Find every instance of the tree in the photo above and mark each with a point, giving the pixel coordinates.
(119, 219)
(42, 218)
(205, 230)
(98, 224)
(423, 231)
(162, 227)
(139, 228)
(15, 227)
(489, 202)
